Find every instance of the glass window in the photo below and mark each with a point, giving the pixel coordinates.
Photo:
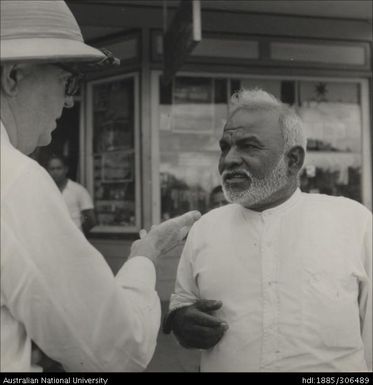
(192, 116)
(333, 122)
(114, 141)
(193, 111)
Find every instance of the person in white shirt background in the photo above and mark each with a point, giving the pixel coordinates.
(57, 291)
(76, 196)
(278, 280)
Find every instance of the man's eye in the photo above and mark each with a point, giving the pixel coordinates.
(250, 146)
(224, 147)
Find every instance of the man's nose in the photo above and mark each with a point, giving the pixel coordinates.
(69, 102)
(232, 159)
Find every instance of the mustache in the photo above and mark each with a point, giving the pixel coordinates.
(232, 173)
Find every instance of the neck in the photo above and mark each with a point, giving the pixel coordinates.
(277, 198)
(61, 185)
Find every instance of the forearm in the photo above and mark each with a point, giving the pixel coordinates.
(88, 220)
(83, 317)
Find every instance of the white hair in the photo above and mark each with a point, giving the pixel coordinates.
(290, 123)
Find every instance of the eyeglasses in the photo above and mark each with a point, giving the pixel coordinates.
(73, 82)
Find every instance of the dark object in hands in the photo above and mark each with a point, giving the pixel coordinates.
(194, 326)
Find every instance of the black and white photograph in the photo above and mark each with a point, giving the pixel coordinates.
(186, 187)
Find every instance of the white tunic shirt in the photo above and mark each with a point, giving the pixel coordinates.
(295, 282)
(57, 290)
(77, 199)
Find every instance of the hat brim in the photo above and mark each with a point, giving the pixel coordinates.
(48, 50)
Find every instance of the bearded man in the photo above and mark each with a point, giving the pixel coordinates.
(278, 280)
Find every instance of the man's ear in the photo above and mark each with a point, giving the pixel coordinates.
(295, 158)
(11, 75)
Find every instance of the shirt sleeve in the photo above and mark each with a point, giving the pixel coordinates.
(61, 289)
(365, 296)
(186, 289)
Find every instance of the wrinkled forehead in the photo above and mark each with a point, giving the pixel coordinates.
(236, 132)
(262, 124)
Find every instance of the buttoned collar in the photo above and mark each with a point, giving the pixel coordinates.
(277, 210)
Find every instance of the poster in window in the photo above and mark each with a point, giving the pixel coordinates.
(115, 155)
(118, 166)
(113, 116)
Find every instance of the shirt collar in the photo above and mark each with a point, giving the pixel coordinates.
(290, 202)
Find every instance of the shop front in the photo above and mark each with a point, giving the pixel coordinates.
(148, 151)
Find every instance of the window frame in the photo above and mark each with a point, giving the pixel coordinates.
(88, 154)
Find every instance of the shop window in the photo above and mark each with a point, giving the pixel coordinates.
(113, 145)
(333, 122)
(193, 111)
(192, 116)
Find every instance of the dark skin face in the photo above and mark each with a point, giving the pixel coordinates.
(58, 171)
(252, 141)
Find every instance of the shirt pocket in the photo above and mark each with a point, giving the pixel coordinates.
(331, 310)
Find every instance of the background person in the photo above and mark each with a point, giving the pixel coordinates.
(76, 196)
(279, 280)
(217, 198)
(56, 289)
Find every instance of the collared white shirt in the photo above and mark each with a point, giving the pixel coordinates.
(295, 282)
(57, 290)
(77, 199)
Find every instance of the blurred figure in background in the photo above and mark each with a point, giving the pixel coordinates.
(77, 198)
(217, 198)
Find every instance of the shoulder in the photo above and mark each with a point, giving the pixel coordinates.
(18, 169)
(338, 206)
(75, 186)
(220, 215)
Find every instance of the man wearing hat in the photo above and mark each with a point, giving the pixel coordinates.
(56, 289)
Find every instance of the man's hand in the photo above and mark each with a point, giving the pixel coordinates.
(164, 237)
(195, 327)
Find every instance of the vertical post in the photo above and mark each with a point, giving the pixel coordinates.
(197, 33)
(164, 16)
(145, 131)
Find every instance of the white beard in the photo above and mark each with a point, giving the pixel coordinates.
(260, 189)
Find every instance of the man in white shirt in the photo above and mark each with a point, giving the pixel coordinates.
(278, 280)
(76, 197)
(56, 289)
